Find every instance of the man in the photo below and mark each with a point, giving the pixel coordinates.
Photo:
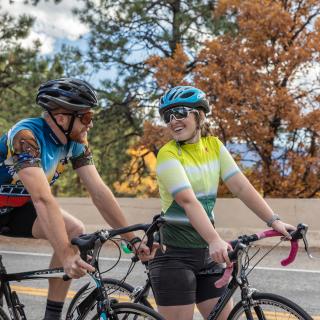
(32, 156)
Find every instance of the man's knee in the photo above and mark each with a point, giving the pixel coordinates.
(76, 229)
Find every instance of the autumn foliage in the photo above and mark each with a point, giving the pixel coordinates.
(263, 87)
(134, 181)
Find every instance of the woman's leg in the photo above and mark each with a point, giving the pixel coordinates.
(173, 280)
(184, 312)
(206, 307)
(207, 292)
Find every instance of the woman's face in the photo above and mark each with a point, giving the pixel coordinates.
(182, 124)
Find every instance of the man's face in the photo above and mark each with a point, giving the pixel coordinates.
(81, 125)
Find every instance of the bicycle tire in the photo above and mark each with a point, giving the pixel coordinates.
(85, 295)
(269, 306)
(132, 311)
(3, 315)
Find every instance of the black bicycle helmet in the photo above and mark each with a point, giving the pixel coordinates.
(67, 93)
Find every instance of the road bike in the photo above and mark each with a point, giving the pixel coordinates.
(253, 304)
(105, 306)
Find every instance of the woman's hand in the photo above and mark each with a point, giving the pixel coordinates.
(283, 228)
(143, 251)
(218, 250)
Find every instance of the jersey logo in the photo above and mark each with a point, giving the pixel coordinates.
(12, 196)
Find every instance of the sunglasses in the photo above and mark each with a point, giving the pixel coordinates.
(178, 113)
(85, 118)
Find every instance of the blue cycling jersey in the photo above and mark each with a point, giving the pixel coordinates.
(52, 157)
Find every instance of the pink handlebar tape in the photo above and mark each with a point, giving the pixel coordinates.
(224, 280)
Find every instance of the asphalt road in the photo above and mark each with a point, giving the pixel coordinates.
(300, 282)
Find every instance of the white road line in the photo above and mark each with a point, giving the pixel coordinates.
(49, 255)
(129, 260)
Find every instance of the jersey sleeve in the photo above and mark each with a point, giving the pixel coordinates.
(170, 173)
(228, 166)
(81, 156)
(24, 149)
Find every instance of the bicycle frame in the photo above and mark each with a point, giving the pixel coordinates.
(102, 298)
(16, 309)
(239, 276)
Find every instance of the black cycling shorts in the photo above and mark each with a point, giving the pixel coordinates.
(182, 276)
(19, 221)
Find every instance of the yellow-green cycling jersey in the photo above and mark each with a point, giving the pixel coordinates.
(197, 166)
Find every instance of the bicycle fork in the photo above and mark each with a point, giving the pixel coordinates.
(248, 302)
(15, 307)
(104, 309)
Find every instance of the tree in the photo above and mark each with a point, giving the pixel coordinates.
(259, 82)
(21, 71)
(124, 34)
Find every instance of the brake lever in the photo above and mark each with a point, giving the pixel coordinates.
(306, 244)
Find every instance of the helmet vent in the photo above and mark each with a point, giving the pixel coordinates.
(65, 88)
(187, 95)
(83, 96)
(74, 101)
(171, 95)
(53, 94)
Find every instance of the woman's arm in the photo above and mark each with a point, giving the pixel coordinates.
(240, 186)
(201, 222)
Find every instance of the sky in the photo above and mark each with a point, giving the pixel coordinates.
(54, 24)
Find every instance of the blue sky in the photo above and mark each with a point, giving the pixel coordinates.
(54, 24)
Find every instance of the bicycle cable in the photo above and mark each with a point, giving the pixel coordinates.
(119, 255)
(263, 256)
(131, 266)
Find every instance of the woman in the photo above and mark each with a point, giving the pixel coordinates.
(188, 171)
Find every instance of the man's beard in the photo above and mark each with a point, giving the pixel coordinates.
(79, 137)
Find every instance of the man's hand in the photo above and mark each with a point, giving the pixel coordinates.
(75, 267)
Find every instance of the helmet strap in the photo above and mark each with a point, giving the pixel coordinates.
(179, 143)
(195, 132)
(64, 131)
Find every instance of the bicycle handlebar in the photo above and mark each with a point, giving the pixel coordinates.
(87, 242)
(241, 243)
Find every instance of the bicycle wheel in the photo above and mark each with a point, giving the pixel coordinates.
(132, 311)
(3, 315)
(85, 298)
(269, 306)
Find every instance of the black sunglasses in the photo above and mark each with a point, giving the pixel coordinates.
(178, 113)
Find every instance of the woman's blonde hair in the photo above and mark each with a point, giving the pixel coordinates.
(205, 127)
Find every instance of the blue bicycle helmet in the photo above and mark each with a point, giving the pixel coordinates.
(184, 96)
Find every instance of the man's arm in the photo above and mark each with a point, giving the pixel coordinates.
(103, 198)
(51, 220)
